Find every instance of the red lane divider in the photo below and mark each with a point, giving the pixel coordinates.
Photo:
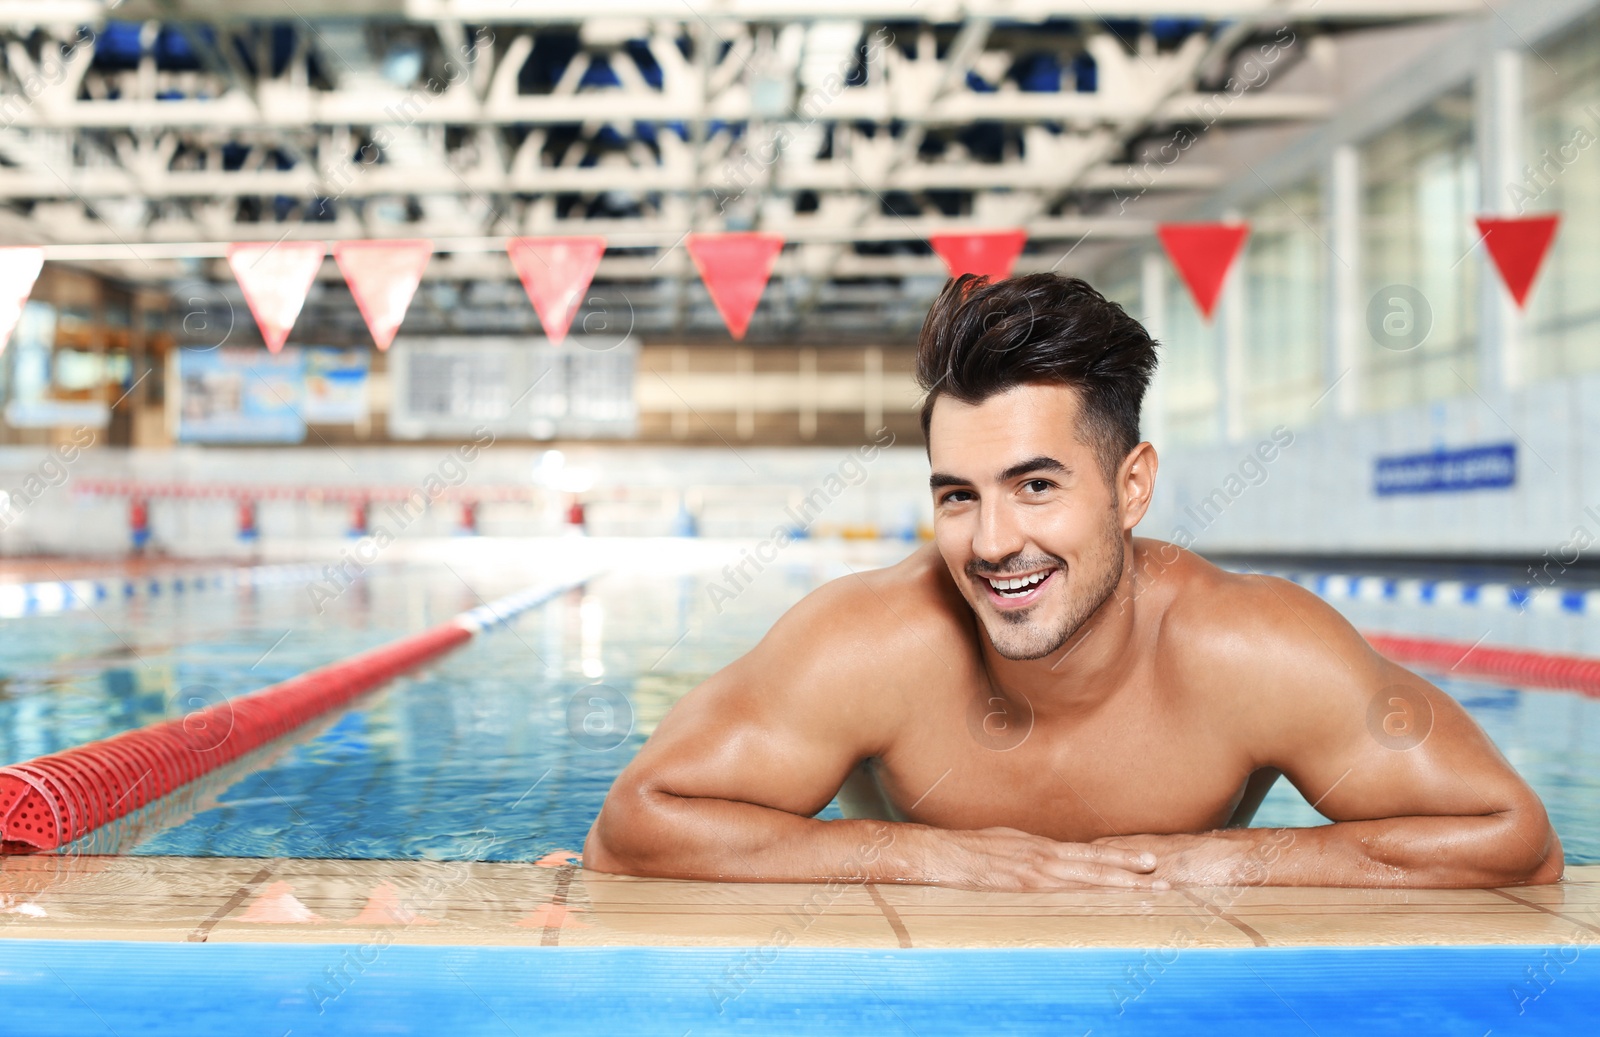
(52, 800)
(1536, 669)
(143, 491)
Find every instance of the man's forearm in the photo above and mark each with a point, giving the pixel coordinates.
(721, 840)
(655, 834)
(1422, 852)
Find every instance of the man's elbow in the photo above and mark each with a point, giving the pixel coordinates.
(626, 837)
(597, 853)
(1529, 850)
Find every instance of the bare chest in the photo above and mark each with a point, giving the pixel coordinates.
(985, 763)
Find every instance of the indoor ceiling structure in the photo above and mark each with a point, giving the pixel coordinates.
(140, 137)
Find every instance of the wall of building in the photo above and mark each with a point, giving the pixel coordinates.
(877, 486)
(1300, 487)
(1317, 495)
(1494, 116)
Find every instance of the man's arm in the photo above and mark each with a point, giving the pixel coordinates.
(726, 787)
(1419, 795)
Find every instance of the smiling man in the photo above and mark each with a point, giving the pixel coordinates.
(1040, 700)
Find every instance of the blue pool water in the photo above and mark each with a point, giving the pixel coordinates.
(75, 988)
(505, 749)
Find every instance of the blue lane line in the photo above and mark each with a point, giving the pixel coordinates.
(50, 596)
(89, 987)
(1456, 593)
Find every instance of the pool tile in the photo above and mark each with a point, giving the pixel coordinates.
(375, 902)
(412, 901)
(937, 917)
(622, 910)
(1322, 917)
(125, 898)
(1580, 891)
(618, 892)
(765, 929)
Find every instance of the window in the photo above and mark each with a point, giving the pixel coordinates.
(1420, 193)
(1189, 362)
(1562, 335)
(1284, 266)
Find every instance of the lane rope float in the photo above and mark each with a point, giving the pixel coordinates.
(1580, 673)
(52, 800)
(1428, 592)
(48, 596)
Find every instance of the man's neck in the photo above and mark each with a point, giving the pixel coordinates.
(1091, 667)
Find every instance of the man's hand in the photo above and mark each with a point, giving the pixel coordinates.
(1228, 857)
(1007, 860)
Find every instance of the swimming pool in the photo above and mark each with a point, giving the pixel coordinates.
(504, 750)
(364, 873)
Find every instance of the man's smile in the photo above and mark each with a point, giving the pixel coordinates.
(1009, 592)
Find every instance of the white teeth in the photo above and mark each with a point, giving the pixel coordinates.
(1016, 584)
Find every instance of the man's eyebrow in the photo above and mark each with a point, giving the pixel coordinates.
(1032, 464)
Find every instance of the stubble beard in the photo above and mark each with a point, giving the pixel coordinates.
(1019, 637)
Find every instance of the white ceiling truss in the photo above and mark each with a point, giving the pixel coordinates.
(139, 135)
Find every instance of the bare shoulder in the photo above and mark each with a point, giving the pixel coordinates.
(906, 618)
(852, 660)
(1229, 610)
(1260, 640)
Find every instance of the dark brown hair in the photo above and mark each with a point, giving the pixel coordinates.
(983, 337)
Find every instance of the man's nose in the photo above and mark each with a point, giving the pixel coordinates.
(998, 536)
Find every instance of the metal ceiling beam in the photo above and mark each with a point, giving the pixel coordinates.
(619, 234)
(837, 124)
(385, 181)
(480, 12)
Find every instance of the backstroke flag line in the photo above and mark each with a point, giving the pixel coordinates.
(1203, 254)
(1518, 246)
(276, 279)
(555, 273)
(19, 268)
(735, 268)
(990, 254)
(383, 276)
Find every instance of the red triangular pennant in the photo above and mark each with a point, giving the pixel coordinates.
(1203, 254)
(1518, 246)
(989, 254)
(555, 273)
(383, 276)
(275, 279)
(19, 268)
(735, 268)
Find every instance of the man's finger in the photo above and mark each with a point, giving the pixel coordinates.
(1084, 873)
(1116, 856)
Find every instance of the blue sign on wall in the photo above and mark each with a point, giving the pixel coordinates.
(240, 395)
(1445, 471)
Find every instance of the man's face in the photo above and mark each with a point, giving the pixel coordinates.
(1017, 495)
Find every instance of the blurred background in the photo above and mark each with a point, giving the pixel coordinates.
(325, 322)
(173, 171)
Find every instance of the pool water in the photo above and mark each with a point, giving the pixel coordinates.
(504, 750)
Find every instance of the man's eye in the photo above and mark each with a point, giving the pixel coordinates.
(1038, 485)
(956, 497)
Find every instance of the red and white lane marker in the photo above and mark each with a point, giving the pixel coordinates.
(1578, 673)
(49, 801)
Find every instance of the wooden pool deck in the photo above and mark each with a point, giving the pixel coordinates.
(555, 903)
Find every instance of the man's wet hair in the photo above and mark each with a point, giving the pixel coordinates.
(983, 337)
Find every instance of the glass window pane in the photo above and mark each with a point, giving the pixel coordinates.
(1284, 266)
(1420, 193)
(1563, 175)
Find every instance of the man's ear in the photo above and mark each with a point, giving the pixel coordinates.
(1136, 481)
